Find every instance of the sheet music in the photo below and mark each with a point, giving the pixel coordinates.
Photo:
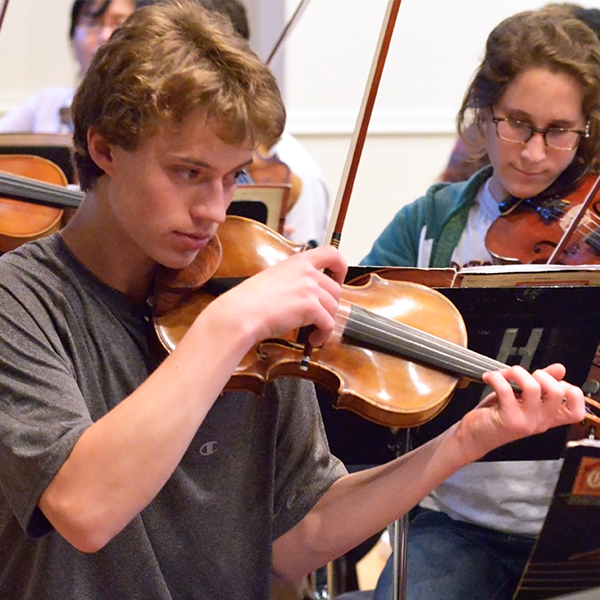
(530, 275)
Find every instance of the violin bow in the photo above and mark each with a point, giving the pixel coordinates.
(3, 12)
(572, 228)
(342, 202)
(288, 28)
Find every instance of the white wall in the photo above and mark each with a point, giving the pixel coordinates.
(326, 60)
(34, 49)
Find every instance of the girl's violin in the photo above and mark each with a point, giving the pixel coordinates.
(388, 360)
(559, 228)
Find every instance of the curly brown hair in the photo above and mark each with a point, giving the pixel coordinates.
(534, 39)
(166, 62)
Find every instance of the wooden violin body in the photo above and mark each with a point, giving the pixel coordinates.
(22, 222)
(396, 354)
(531, 232)
(368, 379)
(178, 298)
(270, 169)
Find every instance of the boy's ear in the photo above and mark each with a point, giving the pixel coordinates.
(100, 150)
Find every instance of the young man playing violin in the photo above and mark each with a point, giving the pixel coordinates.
(125, 474)
(534, 102)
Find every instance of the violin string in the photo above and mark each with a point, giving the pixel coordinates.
(25, 184)
(589, 230)
(435, 351)
(36, 190)
(435, 341)
(398, 337)
(592, 233)
(429, 354)
(370, 327)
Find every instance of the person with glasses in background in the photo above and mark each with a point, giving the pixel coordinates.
(462, 163)
(555, 138)
(533, 106)
(48, 110)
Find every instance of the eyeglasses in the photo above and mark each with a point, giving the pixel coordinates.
(557, 138)
(93, 26)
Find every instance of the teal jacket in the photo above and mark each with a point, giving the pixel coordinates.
(441, 215)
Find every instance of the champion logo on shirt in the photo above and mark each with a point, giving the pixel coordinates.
(208, 448)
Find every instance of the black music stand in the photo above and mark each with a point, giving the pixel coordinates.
(55, 147)
(517, 325)
(566, 555)
(265, 203)
(530, 326)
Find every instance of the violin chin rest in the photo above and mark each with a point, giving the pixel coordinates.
(172, 284)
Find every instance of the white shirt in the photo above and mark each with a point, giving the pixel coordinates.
(40, 113)
(309, 215)
(471, 249)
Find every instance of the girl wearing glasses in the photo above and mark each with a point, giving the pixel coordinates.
(534, 105)
(48, 110)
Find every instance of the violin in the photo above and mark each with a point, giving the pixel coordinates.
(20, 221)
(35, 199)
(387, 360)
(553, 228)
(342, 363)
(267, 167)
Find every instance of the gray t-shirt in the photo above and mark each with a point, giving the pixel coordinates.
(71, 349)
